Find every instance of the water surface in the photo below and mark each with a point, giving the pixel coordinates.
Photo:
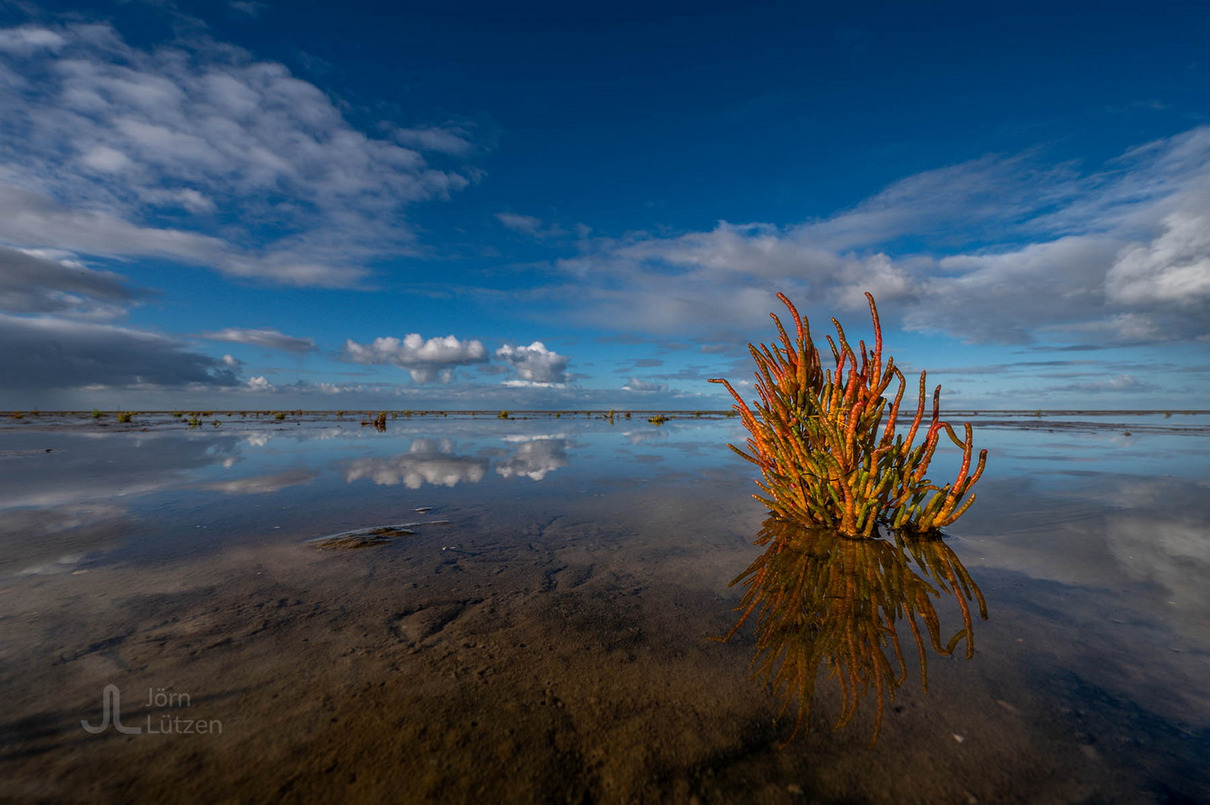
(546, 629)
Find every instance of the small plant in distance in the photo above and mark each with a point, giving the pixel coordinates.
(124, 416)
(825, 440)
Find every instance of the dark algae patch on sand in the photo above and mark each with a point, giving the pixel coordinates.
(367, 537)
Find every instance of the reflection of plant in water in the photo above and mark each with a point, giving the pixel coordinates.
(828, 454)
(820, 597)
(379, 422)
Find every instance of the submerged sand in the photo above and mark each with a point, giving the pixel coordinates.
(521, 667)
(536, 650)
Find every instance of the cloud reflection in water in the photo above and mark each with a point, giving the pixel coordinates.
(534, 457)
(428, 461)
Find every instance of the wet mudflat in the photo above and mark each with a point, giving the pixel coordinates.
(524, 609)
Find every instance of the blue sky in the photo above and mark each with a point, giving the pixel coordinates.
(570, 205)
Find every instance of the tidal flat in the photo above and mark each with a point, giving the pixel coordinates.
(526, 607)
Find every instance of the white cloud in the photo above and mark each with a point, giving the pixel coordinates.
(529, 225)
(994, 250)
(259, 383)
(106, 160)
(752, 249)
(28, 39)
(1172, 268)
(640, 385)
(263, 337)
(535, 363)
(427, 361)
(526, 224)
(110, 149)
(1122, 328)
(1117, 383)
(1008, 296)
(973, 201)
(250, 7)
(452, 139)
(725, 278)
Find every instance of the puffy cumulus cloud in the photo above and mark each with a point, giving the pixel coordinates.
(259, 383)
(31, 282)
(45, 352)
(428, 461)
(535, 364)
(427, 361)
(111, 149)
(263, 337)
(640, 385)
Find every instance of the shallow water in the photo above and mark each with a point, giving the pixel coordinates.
(545, 630)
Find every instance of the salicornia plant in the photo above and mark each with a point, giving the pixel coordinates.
(826, 444)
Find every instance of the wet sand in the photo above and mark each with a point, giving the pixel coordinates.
(534, 650)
